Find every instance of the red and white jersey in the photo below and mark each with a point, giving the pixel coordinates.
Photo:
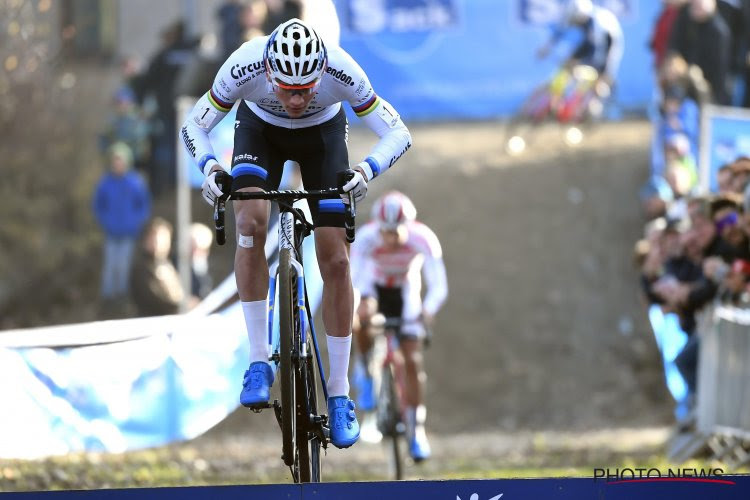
(373, 264)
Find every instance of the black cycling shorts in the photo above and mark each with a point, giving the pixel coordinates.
(390, 301)
(260, 150)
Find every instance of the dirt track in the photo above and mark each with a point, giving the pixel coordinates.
(541, 355)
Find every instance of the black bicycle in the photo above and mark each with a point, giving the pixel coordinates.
(304, 430)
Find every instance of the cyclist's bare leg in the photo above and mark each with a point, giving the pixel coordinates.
(414, 375)
(251, 271)
(338, 303)
(338, 309)
(415, 411)
(250, 264)
(338, 298)
(363, 334)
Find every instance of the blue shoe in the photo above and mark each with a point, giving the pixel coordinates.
(256, 384)
(419, 447)
(344, 425)
(365, 389)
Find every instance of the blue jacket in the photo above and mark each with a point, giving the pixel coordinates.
(122, 205)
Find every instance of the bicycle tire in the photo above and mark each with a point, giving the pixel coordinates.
(307, 442)
(519, 131)
(287, 306)
(392, 415)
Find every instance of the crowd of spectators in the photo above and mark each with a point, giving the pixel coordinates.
(695, 247)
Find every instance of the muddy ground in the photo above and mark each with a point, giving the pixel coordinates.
(542, 355)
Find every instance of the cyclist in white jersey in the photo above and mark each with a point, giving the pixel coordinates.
(290, 88)
(389, 257)
(603, 42)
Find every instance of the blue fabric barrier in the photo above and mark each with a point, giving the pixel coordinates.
(670, 339)
(448, 59)
(175, 380)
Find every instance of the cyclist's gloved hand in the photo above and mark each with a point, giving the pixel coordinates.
(216, 184)
(357, 185)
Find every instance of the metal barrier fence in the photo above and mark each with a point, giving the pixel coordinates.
(723, 393)
(722, 412)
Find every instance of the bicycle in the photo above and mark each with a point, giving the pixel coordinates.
(569, 98)
(304, 431)
(390, 404)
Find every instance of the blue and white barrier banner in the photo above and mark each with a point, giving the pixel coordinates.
(724, 136)
(170, 385)
(126, 384)
(449, 59)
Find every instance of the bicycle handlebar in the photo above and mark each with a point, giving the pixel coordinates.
(397, 322)
(289, 196)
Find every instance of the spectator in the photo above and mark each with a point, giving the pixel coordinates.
(127, 125)
(740, 175)
(726, 212)
(701, 36)
(682, 92)
(724, 178)
(743, 63)
(279, 11)
(156, 286)
(201, 238)
(131, 73)
(676, 72)
(663, 28)
(230, 28)
(682, 172)
(121, 206)
(252, 19)
(160, 79)
(656, 197)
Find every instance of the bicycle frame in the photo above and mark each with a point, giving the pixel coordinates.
(288, 240)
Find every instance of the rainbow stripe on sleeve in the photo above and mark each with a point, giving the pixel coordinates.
(217, 103)
(367, 107)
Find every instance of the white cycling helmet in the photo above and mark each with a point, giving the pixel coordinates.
(295, 55)
(578, 11)
(392, 210)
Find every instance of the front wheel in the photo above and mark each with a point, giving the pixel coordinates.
(307, 439)
(287, 328)
(390, 422)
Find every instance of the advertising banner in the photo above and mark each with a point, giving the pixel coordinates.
(457, 59)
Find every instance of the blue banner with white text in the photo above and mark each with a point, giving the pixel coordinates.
(458, 59)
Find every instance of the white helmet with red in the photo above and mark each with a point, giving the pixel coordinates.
(392, 210)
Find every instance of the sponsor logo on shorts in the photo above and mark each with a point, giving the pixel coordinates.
(245, 157)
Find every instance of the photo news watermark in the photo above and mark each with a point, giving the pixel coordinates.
(652, 474)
